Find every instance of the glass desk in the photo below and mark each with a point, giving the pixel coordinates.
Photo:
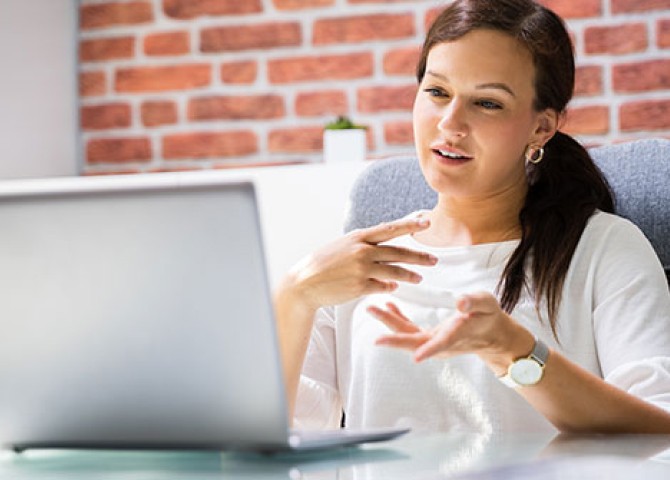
(414, 456)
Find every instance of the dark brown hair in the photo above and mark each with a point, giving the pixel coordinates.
(565, 188)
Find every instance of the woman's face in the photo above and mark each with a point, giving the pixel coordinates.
(474, 115)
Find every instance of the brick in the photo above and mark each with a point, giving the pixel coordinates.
(250, 37)
(240, 73)
(644, 115)
(363, 28)
(175, 168)
(111, 14)
(591, 120)
(106, 49)
(159, 79)
(641, 76)
(92, 83)
(158, 112)
(301, 4)
(625, 6)
(112, 171)
(616, 39)
(167, 43)
(663, 33)
(401, 61)
(384, 99)
(588, 80)
(399, 133)
(324, 67)
(102, 117)
(209, 144)
(229, 165)
(296, 140)
(573, 9)
(326, 102)
(118, 150)
(250, 107)
(187, 9)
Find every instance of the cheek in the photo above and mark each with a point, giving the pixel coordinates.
(424, 118)
(507, 134)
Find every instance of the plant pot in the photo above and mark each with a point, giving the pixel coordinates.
(347, 145)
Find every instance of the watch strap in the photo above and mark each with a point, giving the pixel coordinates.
(540, 352)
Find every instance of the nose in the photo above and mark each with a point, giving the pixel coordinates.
(453, 122)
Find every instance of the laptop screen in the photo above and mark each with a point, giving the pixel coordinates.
(136, 313)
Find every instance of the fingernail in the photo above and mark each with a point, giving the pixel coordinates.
(416, 278)
(432, 259)
(423, 222)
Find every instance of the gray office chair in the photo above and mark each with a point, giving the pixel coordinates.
(638, 172)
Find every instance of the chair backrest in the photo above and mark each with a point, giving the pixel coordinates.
(638, 172)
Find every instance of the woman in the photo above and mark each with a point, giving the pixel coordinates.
(518, 272)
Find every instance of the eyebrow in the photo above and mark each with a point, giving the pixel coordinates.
(483, 86)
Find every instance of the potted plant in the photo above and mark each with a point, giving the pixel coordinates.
(344, 141)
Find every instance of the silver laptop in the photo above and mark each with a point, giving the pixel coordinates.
(135, 313)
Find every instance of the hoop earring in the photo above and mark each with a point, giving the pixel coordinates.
(534, 154)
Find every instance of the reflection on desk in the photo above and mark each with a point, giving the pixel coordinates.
(416, 456)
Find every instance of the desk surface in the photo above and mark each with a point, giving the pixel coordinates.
(414, 456)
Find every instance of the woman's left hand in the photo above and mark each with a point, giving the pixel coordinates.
(479, 326)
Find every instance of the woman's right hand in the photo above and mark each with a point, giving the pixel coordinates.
(356, 264)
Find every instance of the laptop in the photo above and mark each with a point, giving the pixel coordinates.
(135, 312)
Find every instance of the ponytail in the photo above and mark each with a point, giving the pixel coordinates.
(566, 188)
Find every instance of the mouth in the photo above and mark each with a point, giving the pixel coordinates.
(451, 156)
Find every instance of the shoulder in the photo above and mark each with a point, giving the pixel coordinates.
(614, 249)
(601, 223)
(606, 231)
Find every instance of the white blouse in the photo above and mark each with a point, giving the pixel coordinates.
(614, 321)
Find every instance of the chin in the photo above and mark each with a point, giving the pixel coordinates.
(441, 183)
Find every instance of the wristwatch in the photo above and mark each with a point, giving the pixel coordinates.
(528, 370)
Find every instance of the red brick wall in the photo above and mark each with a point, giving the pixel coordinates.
(191, 84)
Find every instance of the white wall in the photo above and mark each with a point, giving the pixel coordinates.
(38, 88)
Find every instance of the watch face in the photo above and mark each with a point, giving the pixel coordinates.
(526, 371)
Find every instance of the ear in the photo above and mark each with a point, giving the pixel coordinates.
(546, 125)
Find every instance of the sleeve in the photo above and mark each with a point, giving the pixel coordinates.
(318, 404)
(632, 315)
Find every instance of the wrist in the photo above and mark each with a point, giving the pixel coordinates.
(516, 343)
(291, 296)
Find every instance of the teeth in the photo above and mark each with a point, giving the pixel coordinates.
(450, 155)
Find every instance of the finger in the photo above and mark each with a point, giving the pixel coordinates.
(480, 302)
(392, 254)
(394, 308)
(406, 341)
(431, 347)
(426, 351)
(395, 321)
(382, 271)
(379, 286)
(388, 230)
(440, 340)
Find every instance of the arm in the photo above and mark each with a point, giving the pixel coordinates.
(354, 265)
(573, 399)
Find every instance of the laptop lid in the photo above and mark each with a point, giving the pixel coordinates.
(135, 312)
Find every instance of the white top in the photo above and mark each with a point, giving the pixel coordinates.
(614, 322)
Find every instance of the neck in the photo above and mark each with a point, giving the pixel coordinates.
(457, 221)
